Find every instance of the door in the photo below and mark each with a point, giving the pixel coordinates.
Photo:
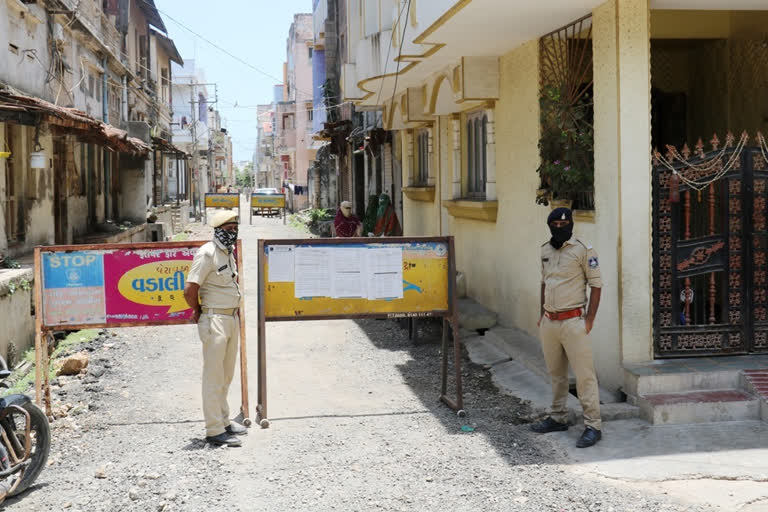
(60, 217)
(710, 251)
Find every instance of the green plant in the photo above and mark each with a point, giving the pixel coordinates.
(318, 215)
(566, 145)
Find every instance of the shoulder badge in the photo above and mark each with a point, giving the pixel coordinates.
(593, 262)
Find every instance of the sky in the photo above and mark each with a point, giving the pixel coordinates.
(253, 30)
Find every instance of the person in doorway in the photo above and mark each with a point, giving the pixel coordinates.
(345, 224)
(567, 266)
(212, 292)
(386, 219)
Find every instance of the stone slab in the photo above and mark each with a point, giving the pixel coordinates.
(474, 316)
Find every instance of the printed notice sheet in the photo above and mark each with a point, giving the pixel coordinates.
(385, 273)
(281, 263)
(312, 272)
(348, 279)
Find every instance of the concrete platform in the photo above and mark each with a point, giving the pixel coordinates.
(699, 407)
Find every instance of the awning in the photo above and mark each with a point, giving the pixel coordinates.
(164, 145)
(153, 17)
(169, 46)
(73, 120)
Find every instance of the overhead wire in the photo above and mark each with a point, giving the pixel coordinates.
(400, 52)
(223, 50)
(386, 61)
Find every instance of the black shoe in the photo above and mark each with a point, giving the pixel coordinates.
(223, 439)
(236, 429)
(549, 425)
(589, 437)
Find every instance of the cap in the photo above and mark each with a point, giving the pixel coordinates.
(223, 217)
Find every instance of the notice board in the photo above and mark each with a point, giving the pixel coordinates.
(111, 285)
(346, 278)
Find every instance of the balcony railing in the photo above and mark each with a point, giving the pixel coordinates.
(89, 13)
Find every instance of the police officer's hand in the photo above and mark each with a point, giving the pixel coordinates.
(538, 324)
(588, 323)
(196, 315)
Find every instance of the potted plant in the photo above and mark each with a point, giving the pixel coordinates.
(566, 145)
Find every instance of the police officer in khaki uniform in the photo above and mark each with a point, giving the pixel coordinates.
(211, 290)
(567, 266)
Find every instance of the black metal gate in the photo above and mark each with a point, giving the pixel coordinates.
(710, 250)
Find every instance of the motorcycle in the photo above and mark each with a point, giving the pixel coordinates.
(25, 440)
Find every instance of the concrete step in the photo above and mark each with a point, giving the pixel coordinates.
(641, 380)
(756, 381)
(700, 406)
(514, 378)
(474, 316)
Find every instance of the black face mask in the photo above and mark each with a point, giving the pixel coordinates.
(560, 235)
(225, 238)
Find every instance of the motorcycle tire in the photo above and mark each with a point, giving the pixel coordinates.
(41, 432)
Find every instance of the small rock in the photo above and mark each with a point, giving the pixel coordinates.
(94, 388)
(133, 494)
(74, 364)
(430, 479)
(101, 472)
(170, 496)
(96, 371)
(152, 476)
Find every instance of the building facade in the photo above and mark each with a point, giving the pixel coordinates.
(472, 116)
(79, 104)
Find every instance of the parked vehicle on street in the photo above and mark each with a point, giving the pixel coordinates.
(25, 440)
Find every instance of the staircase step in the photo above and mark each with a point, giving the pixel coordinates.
(648, 380)
(699, 406)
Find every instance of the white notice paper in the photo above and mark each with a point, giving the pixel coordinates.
(385, 273)
(281, 263)
(348, 279)
(312, 272)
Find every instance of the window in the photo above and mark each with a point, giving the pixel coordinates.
(90, 85)
(310, 53)
(476, 130)
(310, 111)
(422, 157)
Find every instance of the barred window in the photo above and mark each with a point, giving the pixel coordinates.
(422, 157)
(477, 137)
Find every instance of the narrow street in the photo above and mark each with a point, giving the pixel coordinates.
(355, 425)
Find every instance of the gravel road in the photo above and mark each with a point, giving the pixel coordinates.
(355, 425)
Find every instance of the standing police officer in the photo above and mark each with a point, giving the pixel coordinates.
(212, 292)
(567, 266)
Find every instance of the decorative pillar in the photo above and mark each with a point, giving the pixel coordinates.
(633, 33)
(456, 182)
(490, 155)
(431, 157)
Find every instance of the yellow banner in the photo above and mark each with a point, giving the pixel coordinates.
(222, 200)
(424, 286)
(267, 201)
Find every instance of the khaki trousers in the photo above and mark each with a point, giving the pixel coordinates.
(220, 335)
(564, 341)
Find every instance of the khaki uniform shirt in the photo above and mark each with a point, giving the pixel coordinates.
(216, 273)
(565, 273)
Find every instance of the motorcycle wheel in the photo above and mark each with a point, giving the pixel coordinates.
(40, 432)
